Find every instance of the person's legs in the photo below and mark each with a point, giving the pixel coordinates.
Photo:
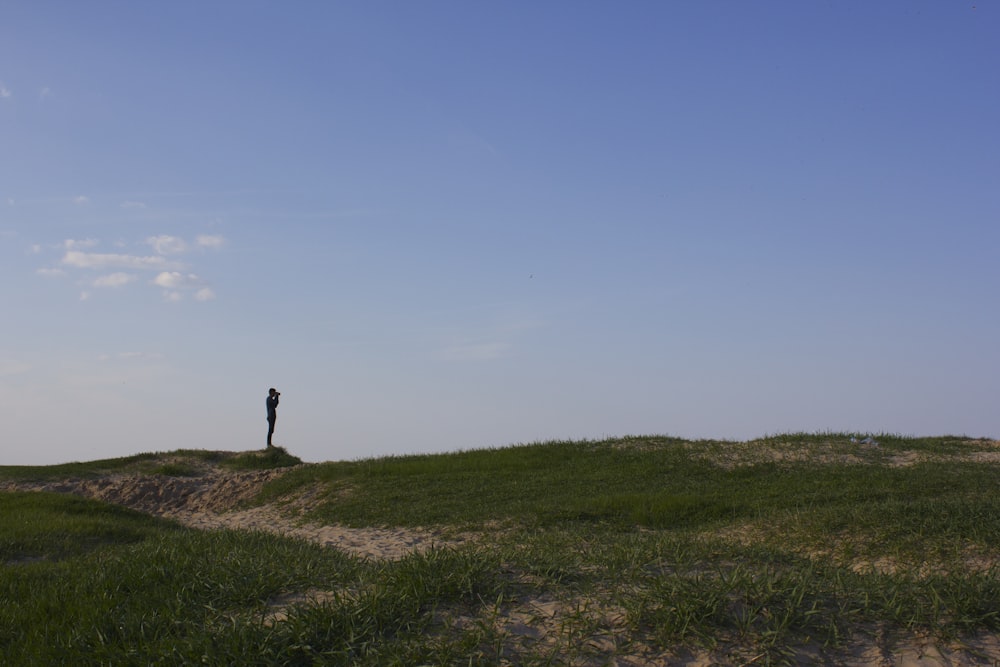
(270, 430)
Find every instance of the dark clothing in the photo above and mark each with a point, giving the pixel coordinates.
(272, 416)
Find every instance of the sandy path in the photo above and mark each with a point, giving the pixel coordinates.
(212, 501)
(389, 543)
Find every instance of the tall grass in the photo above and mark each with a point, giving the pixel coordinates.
(181, 596)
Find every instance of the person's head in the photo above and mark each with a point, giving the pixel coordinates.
(272, 391)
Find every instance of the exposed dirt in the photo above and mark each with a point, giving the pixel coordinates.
(215, 497)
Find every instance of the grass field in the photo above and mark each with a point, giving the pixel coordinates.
(792, 549)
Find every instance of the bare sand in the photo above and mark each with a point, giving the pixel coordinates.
(216, 499)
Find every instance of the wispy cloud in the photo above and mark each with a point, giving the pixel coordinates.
(76, 244)
(119, 269)
(167, 245)
(175, 280)
(133, 205)
(210, 241)
(492, 342)
(118, 279)
(204, 294)
(81, 200)
(103, 261)
(44, 93)
(4, 92)
(175, 283)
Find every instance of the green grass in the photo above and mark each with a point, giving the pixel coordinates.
(178, 463)
(770, 551)
(180, 596)
(37, 526)
(652, 482)
(272, 457)
(76, 469)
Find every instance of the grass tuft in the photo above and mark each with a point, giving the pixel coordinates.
(272, 457)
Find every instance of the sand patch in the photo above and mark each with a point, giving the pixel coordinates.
(388, 543)
(216, 499)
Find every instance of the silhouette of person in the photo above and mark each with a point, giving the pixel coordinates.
(272, 412)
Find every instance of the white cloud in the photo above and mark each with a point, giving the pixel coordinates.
(204, 294)
(174, 283)
(211, 241)
(167, 245)
(168, 279)
(81, 200)
(132, 204)
(117, 269)
(90, 260)
(44, 93)
(114, 280)
(176, 280)
(4, 92)
(74, 244)
(10, 201)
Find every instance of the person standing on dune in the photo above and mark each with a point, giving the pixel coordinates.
(272, 412)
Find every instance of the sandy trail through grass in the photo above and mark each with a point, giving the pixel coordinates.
(216, 498)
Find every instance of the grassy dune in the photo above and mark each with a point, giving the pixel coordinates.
(791, 549)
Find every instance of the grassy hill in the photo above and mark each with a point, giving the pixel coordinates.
(790, 549)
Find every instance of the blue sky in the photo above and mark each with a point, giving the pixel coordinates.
(452, 225)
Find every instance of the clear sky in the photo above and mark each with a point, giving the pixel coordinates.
(452, 225)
